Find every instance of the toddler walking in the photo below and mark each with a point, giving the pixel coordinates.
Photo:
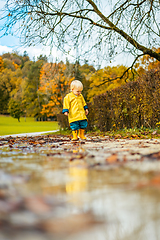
(75, 107)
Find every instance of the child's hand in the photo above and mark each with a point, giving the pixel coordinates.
(86, 111)
(66, 113)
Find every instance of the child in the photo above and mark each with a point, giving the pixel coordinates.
(75, 107)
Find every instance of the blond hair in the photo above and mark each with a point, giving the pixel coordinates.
(76, 84)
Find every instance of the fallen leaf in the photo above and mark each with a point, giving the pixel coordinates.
(37, 205)
(118, 136)
(134, 136)
(124, 158)
(153, 156)
(154, 132)
(155, 181)
(70, 224)
(112, 159)
(3, 194)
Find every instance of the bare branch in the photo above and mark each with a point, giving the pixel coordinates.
(113, 79)
(125, 35)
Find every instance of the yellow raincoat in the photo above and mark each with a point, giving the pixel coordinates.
(75, 106)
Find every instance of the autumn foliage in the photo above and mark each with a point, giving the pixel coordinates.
(107, 79)
(115, 100)
(1, 64)
(134, 104)
(54, 84)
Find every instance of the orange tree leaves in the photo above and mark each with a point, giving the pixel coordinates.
(54, 84)
(147, 63)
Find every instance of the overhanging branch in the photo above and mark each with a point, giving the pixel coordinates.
(138, 46)
(120, 77)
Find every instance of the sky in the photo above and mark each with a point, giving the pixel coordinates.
(11, 43)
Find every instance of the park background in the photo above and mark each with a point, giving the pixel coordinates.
(118, 98)
(111, 46)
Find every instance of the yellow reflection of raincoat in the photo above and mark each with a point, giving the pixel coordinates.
(78, 184)
(75, 105)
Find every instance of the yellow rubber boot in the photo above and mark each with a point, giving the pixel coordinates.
(75, 137)
(81, 134)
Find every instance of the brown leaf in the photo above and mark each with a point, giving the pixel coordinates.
(134, 136)
(154, 132)
(156, 181)
(37, 205)
(118, 136)
(70, 224)
(124, 158)
(125, 137)
(153, 156)
(112, 159)
(3, 194)
(7, 206)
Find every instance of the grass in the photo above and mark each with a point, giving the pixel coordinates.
(9, 125)
(132, 133)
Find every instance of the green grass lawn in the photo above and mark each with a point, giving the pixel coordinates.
(9, 125)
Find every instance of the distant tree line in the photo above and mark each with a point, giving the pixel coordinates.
(36, 88)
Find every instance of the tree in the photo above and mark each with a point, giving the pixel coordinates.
(83, 73)
(44, 58)
(146, 63)
(105, 28)
(19, 80)
(15, 60)
(100, 79)
(54, 84)
(8, 80)
(1, 64)
(15, 109)
(31, 100)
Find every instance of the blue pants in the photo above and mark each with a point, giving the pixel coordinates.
(78, 125)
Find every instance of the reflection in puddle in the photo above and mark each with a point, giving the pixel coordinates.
(128, 215)
(78, 181)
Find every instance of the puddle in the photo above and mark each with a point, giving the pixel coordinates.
(69, 191)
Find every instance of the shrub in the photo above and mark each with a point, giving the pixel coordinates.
(62, 121)
(134, 104)
(91, 117)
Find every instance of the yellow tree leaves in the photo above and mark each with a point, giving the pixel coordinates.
(10, 83)
(101, 80)
(147, 63)
(1, 64)
(54, 84)
(15, 65)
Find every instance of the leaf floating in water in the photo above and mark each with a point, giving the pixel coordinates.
(70, 224)
(112, 159)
